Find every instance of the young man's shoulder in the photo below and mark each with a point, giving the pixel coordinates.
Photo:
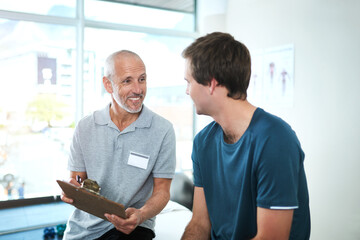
(267, 124)
(207, 133)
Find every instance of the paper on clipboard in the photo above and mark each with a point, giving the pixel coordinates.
(90, 202)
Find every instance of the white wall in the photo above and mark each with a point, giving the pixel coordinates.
(326, 109)
(211, 15)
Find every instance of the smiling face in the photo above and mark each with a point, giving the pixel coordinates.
(128, 85)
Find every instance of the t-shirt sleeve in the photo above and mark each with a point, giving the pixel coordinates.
(278, 171)
(196, 167)
(76, 160)
(166, 161)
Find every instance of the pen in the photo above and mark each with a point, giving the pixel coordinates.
(78, 179)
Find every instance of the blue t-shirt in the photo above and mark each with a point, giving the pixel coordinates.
(263, 169)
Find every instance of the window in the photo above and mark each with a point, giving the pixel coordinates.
(139, 16)
(51, 69)
(61, 8)
(37, 65)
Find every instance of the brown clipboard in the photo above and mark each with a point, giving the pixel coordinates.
(90, 202)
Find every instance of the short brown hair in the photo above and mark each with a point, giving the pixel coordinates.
(218, 55)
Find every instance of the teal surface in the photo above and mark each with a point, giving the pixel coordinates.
(29, 222)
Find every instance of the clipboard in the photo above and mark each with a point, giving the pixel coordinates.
(90, 202)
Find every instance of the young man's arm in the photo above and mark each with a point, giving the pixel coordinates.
(152, 207)
(199, 227)
(273, 224)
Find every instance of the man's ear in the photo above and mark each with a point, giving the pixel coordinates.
(212, 85)
(108, 85)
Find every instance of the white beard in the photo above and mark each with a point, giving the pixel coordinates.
(124, 106)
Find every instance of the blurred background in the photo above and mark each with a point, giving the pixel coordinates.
(305, 57)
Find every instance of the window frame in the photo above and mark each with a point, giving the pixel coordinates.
(80, 23)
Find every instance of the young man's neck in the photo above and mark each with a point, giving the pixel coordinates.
(234, 117)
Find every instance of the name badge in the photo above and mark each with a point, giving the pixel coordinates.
(138, 160)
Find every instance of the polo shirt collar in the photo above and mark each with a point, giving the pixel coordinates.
(102, 117)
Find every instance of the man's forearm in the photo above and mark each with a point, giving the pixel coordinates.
(154, 205)
(195, 231)
(199, 227)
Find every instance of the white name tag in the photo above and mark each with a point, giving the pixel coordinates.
(138, 160)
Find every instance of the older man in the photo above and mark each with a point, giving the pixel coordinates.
(128, 150)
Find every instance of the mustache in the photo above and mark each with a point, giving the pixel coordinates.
(136, 95)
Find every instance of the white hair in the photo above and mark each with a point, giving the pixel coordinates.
(110, 65)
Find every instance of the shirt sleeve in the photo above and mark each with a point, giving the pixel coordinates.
(166, 161)
(76, 160)
(277, 171)
(196, 167)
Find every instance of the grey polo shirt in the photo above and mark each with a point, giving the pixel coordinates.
(124, 163)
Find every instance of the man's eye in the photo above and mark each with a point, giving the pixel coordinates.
(142, 79)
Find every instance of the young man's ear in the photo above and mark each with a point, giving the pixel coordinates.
(213, 83)
(107, 85)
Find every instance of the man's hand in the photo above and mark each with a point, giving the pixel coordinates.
(153, 206)
(133, 219)
(73, 181)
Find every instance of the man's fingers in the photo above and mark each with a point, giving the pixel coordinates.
(74, 182)
(65, 199)
(63, 196)
(122, 225)
(129, 212)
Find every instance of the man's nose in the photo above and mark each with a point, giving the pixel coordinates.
(137, 88)
(187, 90)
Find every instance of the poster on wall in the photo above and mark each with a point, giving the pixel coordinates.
(272, 77)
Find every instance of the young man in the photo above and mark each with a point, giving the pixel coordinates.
(248, 164)
(128, 150)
